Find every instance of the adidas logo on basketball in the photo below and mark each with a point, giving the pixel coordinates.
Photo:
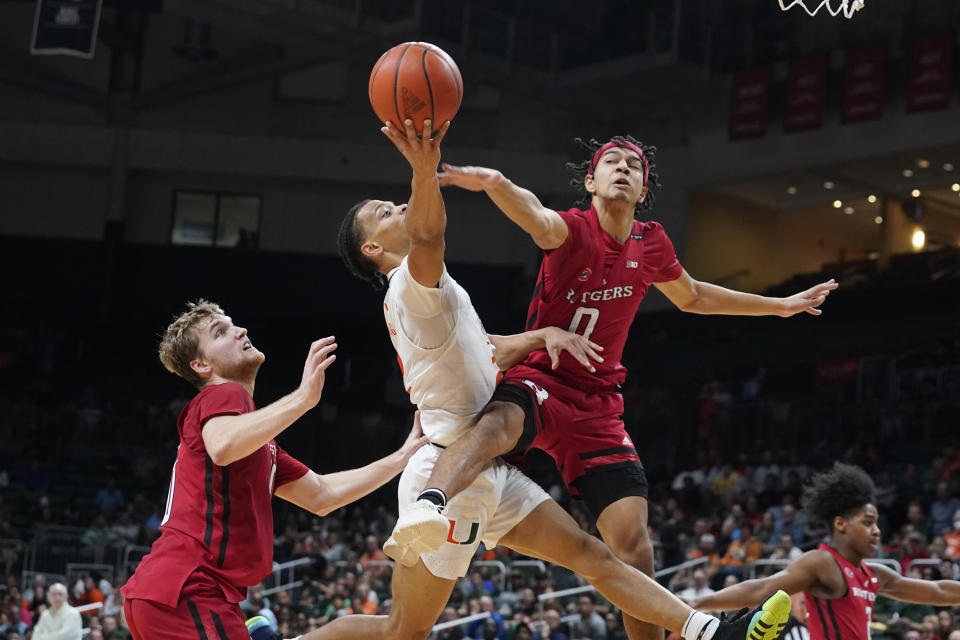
(411, 102)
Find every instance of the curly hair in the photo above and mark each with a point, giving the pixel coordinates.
(581, 169)
(180, 342)
(841, 491)
(349, 242)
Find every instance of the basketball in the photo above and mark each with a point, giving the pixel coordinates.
(415, 80)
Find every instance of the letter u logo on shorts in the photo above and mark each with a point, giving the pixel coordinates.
(474, 530)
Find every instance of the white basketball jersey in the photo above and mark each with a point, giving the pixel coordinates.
(450, 383)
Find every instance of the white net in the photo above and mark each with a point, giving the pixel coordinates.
(846, 8)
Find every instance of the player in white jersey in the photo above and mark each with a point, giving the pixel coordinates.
(451, 367)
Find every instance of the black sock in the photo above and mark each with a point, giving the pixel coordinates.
(436, 496)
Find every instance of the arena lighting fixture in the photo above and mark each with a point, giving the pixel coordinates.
(878, 219)
(915, 193)
(828, 185)
(918, 239)
(948, 166)
(848, 210)
(837, 204)
(872, 199)
(923, 164)
(907, 173)
(955, 186)
(792, 191)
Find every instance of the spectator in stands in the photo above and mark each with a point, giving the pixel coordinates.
(112, 629)
(91, 594)
(914, 549)
(589, 623)
(789, 522)
(766, 468)
(110, 497)
(373, 553)
(615, 630)
(786, 550)
(60, 621)
(97, 538)
(450, 633)
(952, 538)
(474, 628)
(551, 627)
(947, 624)
(521, 632)
(697, 587)
(741, 552)
(917, 518)
(943, 509)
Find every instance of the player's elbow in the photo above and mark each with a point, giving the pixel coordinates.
(218, 452)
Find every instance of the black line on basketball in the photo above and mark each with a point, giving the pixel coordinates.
(423, 65)
(396, 76)
(373, 77)
(456, 81)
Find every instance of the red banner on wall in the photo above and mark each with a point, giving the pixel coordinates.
(806, 94)
(863, 85)
(749, 105)
(931, 66)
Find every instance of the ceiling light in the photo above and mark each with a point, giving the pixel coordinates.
(955, 186)
(923, 164)
(792, 191)
(872, 199)
(878, 219)
(828, 185)
(837, 204)
(915, 193)
(919, 239)
(948, 166)
(848, 210)
(908, 173)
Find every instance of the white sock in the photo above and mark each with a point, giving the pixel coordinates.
(699, 626)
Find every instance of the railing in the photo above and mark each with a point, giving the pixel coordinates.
(667, 571)
(460, 621)
(922, 562)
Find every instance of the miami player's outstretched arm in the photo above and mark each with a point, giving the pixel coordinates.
(695, 296)
(425, 217)
(939, 593)
(544, 225)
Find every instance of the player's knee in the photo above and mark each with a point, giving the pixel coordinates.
(591, 557)
(500, 426)
(634, 548)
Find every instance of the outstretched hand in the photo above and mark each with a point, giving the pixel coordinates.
(415, 439)
(808, 300)
(583, 350)
(469, 178)
(422, 152)
(319, 358)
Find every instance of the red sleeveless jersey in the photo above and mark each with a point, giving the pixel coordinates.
(591, 284)
(218, 520)
(846, 618)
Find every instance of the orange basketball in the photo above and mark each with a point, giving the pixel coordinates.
(415, 80)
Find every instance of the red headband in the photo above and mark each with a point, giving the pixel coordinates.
(621, 145)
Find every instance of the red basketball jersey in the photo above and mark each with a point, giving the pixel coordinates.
(218, 519)
(846, 618)
(592, 284)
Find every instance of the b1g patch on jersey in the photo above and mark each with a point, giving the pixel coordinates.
(848, 571)
(585, 274)
(632, 264)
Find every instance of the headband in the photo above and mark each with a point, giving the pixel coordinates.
(622, 145)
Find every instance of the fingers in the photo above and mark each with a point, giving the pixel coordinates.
(440, 134)
(316, 345)
(326, 363)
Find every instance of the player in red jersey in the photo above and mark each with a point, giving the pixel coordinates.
(838, 586)
(597, 266)
(217, 531)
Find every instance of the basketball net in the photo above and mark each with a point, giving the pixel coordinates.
(845, 7)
